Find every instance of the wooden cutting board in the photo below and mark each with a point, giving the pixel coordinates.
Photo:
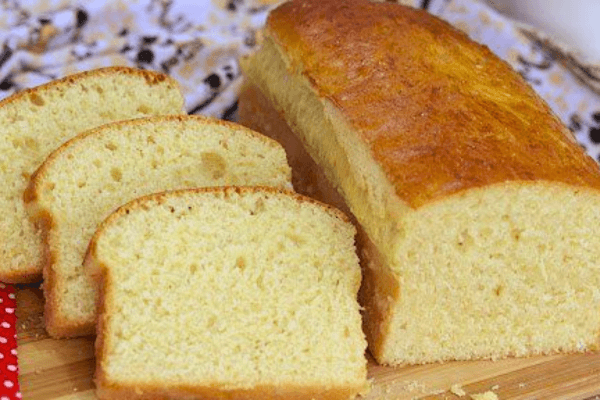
(63, 369)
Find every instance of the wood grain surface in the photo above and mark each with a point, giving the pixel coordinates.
(63, 369)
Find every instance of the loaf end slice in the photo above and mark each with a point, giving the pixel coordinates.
(89, 176)
(240, 293)
(36, 121)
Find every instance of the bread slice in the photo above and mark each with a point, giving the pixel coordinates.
(36, 121)
(229, 292)
(480, 210)
(97, 171)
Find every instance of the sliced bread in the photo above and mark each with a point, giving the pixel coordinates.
(237, 293)
(36, 121)
(481, 212)
(97, 171)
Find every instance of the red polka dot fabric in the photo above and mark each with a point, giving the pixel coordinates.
(9, 370)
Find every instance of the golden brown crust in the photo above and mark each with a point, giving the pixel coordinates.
(160, 197)
(107, 391)
(54, 324)
(439, 112)
(30, 275)
(31, 193)
(379, 292)
(151, 77)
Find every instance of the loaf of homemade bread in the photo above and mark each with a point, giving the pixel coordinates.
(228, 293)
(84, 180)
(480, 212)
(36, 121)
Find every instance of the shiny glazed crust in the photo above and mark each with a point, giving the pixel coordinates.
(438, 112)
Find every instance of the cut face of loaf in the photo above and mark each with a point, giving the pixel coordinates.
(237, 293)
(36, 121)
(99, 170)
(480, 211)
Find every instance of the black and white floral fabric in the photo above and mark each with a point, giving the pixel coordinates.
(199, 42)
(196, 41)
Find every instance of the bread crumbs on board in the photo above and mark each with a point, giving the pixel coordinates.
(489, 395)
(458, 390)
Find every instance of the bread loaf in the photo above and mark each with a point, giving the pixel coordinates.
(236, 293)
(89, 176)
(36, 121)
(480, 210)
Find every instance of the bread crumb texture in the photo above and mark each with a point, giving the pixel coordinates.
(36, 121)
(510, 270)
(89, 177)
(230, 289)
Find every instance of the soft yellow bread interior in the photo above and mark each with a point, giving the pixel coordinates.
(237, 293)
(90, 176)
(36, 121)
(509, 270)
(506, 269)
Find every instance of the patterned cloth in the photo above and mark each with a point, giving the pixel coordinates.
(198, 42)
